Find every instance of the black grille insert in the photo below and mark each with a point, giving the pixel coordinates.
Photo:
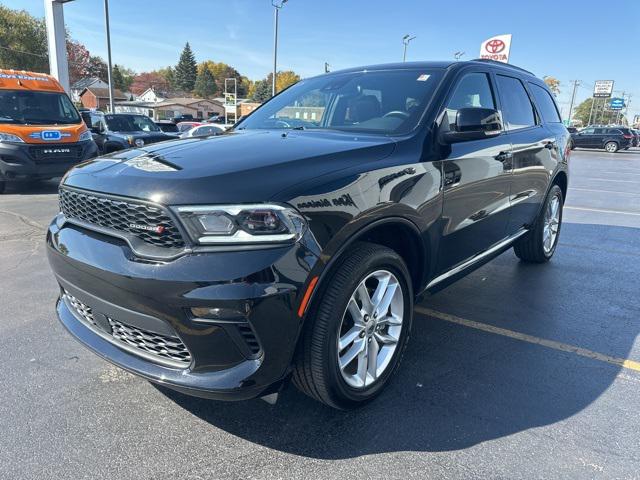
(145, 342)
(55, 153)
(249, 337)
(147, 222)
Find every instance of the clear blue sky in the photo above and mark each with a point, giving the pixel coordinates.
(567, 39)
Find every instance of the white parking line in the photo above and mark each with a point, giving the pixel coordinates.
(610, 180)
(601, 191)
(602, 210)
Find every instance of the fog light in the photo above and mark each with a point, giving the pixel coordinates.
(216, 313)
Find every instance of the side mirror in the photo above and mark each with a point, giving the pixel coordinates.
(97, 129)
(474, 124)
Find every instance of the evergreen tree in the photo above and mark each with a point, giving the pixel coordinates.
(262, 91)
(205, 85)
(186, 70)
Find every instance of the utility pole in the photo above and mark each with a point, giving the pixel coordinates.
(573, 98)
(405, 40)
(326, 67)
(109, 73)
(593, 102)
(276, 9)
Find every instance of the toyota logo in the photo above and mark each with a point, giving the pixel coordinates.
(494, 46)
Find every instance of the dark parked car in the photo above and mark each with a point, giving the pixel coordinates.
(294, 245)
(636, 137)
(611, 139)
(167, 126)
(118, 131)
(187, 117)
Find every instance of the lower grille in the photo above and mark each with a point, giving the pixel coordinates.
(162, 348)
(249, 337)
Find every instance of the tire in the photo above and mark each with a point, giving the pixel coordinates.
(3, 185)
(572, 145)
(611, 147)
(321, 369)
(531, 248)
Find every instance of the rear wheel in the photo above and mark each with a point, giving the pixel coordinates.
(539, 245)
(611, 147)
(3, 185)
(357, 330)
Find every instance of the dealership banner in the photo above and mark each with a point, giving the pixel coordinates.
(603, 88)
(496, 48)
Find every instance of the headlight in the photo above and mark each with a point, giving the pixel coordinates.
(9, 137)
(242, 224)
(85, 136)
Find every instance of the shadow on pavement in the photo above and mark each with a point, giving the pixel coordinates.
(44, 187)
(458, 387)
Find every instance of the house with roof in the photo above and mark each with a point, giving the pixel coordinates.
(198, 107)
(98, 98)
(80, 85)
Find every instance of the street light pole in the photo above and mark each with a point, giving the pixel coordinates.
(276, 9)
(109, 73)
(405, 40)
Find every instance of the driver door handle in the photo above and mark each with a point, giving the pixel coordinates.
(504, 156)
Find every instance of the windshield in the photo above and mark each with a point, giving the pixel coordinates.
(380, 101)
(37, 108)
(130, 123)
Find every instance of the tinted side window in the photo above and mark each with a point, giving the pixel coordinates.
(516, 109)
(599, 131)
(614, 131)
(473, 91)
(545, 103)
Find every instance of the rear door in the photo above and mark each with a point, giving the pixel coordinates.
(598, 137)
(477, 178)
(534, 148)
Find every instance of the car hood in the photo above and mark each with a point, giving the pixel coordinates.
(251, 166)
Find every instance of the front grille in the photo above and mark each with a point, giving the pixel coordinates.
(149, 223)
(54, 153)
(152, 344)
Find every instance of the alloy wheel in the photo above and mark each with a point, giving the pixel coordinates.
(551, 224)
(370, 329)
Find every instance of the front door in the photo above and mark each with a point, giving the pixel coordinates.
(584, 138)
(477, 180)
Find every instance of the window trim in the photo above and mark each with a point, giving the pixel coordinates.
(536, 116)
(553, 102)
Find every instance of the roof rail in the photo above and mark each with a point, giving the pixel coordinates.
(495, 62)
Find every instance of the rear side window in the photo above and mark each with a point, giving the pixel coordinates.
(517, 109)
(614, 131)
(473, 91)
(545, 103)
(599, 131)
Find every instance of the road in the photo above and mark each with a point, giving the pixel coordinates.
(517, 371)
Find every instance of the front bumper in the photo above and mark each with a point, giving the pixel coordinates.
(242, 353)
(22, 161)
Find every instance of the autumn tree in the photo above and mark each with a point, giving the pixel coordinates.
(553, 84)
(168, 73)
(145, 80)
(286, 79)
(186, 70)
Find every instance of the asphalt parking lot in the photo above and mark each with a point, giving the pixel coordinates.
(517, 371)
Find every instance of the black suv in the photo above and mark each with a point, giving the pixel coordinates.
(294, 245)
(118, 131)
(610, 139)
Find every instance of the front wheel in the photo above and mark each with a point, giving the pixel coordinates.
(611, 147)
(539, 245)
(357, 330)
(3, 185)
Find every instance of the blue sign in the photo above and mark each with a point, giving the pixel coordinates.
(616, 103)
(50, 135)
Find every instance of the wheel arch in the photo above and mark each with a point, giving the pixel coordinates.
(562, 180)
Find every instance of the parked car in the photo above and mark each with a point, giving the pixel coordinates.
(42, 134)
(186, 126)
(294, 246)
(167, 126)
(217, 118)
(572, 129)
(187, 117)
(202, 131)
(636, 137)
(117, 131)
(610, 139)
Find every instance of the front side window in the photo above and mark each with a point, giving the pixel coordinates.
(130, 123)
(517, 109)
(37, 108)
(545, 104)
(586, 131)
(473, 91)
(378, 101)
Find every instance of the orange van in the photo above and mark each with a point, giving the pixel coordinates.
(42, 134)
